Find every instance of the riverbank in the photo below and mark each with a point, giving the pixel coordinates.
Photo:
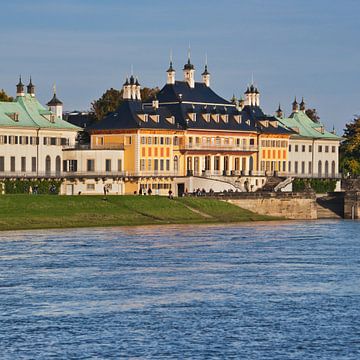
(21, 212)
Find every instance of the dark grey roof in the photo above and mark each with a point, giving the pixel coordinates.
(189, 65)
(54, 101)
(170, 69)
(81, 120)
(205, 71)
(127, 116)
(199, 100)
(181, 90)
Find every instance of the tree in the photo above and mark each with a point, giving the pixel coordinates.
(350, 148)
(313, 115)
(5, 97)
(112, 98)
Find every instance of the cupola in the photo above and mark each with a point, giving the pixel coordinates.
(55, 105)
(170, 74)
(20, 88)
(31, 88)
(295, 106)
(302, 105)
(189, 72)
(131, 89)
(279, 112)
(206, 76)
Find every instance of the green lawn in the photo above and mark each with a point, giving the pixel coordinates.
(51, 211)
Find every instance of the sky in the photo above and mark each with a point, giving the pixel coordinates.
(290, 48)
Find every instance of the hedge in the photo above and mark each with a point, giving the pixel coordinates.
(27, 186)
(318, 185)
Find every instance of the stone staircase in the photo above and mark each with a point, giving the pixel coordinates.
(330, 207)
(271, 183)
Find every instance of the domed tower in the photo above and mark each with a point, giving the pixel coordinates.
(31, 88)
(206, 75)
(55, 105)
(170, 74)
(189, 72)
(279, 112)
(295, 106)
(137, 90)
(247, 94)
(20, 88)
(302, 105)
(126, 90)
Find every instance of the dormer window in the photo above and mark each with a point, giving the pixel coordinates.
(192, 116)
(237, 118)
(264, 123)
(144, 117)
(248, 122)
(171, 119)
(13, 116)
(155, 118)
(225, 118)
(206, 117)
(216, 117)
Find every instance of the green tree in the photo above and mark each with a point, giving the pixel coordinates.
(350, 148)
(112, 98)
(313, 115)
(4, 96)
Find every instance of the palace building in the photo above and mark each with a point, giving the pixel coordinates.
(190, 137)
(32, 137)
(186, 138)
(313, 151)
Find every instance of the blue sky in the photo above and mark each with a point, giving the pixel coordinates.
(305, 48)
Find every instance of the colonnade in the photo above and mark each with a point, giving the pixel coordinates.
(218, 164)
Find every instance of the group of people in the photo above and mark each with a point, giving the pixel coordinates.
(198, 192)
(34, 190)
(143, 191)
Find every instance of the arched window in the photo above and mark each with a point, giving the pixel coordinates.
(333, 169)
(176, 163)
(58, 165)
(326, 168)
(319, 168)
(48, 165)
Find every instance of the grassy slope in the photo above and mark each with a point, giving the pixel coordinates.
(46, 211)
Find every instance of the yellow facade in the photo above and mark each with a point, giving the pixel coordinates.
(154, 157)
(273, 152)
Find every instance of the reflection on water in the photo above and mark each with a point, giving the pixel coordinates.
(287, 290)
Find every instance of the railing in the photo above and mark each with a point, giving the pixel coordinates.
(311, 176)
(94, 147)
(85, 174)
(214, 147)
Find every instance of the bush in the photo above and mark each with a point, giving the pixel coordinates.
(23, 186)
(318, 185)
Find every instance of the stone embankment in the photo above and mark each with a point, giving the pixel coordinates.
(300, 206)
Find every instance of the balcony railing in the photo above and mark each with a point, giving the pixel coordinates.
(214, 147)
(111, 146)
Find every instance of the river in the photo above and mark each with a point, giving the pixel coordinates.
(286, 290)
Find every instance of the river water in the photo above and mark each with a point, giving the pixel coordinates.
(287, 290)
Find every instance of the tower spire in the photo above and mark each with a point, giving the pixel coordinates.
(189, 71)
(170, 71)
(189, 54)
(206, 75)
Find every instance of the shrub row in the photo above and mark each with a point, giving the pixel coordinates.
(318, 185)
(31, 186)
